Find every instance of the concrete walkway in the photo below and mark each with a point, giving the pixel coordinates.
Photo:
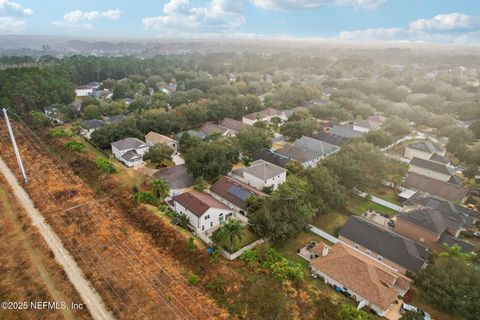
(380, 201)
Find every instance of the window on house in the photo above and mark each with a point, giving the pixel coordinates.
(380, 258)
(203, 228)
(368, 251)
(356, 246)
(211, 223)
(207, 217)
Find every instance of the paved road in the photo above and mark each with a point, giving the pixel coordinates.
(90, 297)
(381, 201)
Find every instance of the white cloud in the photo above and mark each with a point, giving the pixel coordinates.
(78, 15)
(11, 25)
(373, 34)
(217, 16)
(446, 22)
(78, 19)
(444, 28)
(11, 8)
(310, 4)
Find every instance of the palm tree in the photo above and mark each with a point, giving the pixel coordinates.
(160, 188)
(230, 231)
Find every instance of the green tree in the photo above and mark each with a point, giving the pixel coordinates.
(349, 312)
(411, 315)
(209, 160)
(105, 166)
(92, 112)
(475, 128)
(230, 231)
(160, 188)
(120, 91)
(396, 126)
(297, 129)
(285, 214)
(379, 138)
(158, 153)
(252, 140)
(200, 184)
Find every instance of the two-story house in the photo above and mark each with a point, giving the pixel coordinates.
(261, 174)
(129, 151)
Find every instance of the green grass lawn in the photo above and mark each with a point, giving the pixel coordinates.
(418, 301)
(248, 237)
(359, 205)
(331, 221)
(387, 194)
(289, 248)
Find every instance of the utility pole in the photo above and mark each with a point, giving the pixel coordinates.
(15, 148)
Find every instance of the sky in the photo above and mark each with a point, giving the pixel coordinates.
(434, 21)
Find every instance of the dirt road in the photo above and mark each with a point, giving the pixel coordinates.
(90, 297)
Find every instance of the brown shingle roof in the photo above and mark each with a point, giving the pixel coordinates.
(435, 187)
(362, 274)
(198, 202)
(269, 112)
(233, 124)
(158, 138)
(227, 187)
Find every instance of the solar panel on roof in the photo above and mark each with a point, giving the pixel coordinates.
(239, 192)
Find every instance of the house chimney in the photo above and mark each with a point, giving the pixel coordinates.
(325, 250)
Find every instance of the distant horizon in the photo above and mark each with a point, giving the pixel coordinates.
(410, 21)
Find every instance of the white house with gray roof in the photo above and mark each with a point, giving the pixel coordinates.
(424, 150)
(130, 151)
(325, 149)
(306, 157)
(431, 169)
(261, 174)
(90, 126)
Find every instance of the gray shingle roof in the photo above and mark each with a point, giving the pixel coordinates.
(345, 131)
(315, 145)
(330, 138)
(209, 128)
(439, 158)
(426, 218)
(131, 156)
(431, 165)
(425, 146)
(451, 240)
(271, 157)
(233, 124)
(302, 155)
(129, 143)
(93, 123)
(390, 245)
(261, 169)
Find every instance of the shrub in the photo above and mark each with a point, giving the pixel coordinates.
(287, 270)
(249, 256)
(105, 165)
(190, 245)
(192, 279)
(58, 133)
(145, 197)
(74, 146)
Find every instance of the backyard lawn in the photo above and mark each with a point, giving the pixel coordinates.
(387, 194)
(289, 248)
(248, 237)
(359, 205)
(331, 222)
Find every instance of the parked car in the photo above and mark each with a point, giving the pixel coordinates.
(408, 307)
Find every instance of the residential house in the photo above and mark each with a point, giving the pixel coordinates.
(261, 174)
(178, 178)
(330, 138)
(324, 149)
(192, 133)
(90, 126)
(168, 88)
(85, 91)
(423, 150)
(397, 251)
(233, 125)
(203, 211)
(116, 118)
(307, 158)
(264, 115)
(372, 123)
(153, 138)
(346, 131)
(209, 128)
(101, 94)
(370, 282)
(431, 169)
(130, 151)
(434, 221)
(234, 193)
(442, 189)
(270, 156)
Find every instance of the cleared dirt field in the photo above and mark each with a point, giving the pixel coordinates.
(136, 275)
(28, 269)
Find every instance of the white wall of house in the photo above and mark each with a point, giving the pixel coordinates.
(87, 133)
(132, 163)
(355, 295)
(260, 184)
(248, 121)
(429, 173)
(119, 153)
(311, 163)
(210, 219)
(360, 129)
(83, 92)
